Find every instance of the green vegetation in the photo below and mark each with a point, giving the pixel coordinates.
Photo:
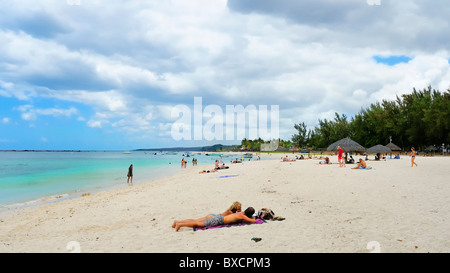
(418, 119)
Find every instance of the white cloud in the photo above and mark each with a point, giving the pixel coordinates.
(6, 120)
(131, 63)
(94, 124)
(30, 113)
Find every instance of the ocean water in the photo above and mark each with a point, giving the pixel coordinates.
(29, 177)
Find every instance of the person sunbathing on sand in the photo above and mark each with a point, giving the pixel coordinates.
(361, 164)
(211, 171)
(234, 208)
(216, 220)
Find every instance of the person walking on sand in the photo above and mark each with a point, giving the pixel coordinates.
(413, 157)
(130, 175)
(340, 152)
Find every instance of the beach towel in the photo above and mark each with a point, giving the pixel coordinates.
(243, 223)
(230, 175)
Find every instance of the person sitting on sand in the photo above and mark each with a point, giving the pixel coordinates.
(222, 167)
(325, 161)
(217, 220)
(361, 164)
(286, 159)
(351, 160)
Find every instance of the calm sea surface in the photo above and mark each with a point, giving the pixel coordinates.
(27, 177)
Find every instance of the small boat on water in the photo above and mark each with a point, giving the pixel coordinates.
(127, 152)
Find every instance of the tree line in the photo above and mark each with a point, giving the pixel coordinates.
(419, 119)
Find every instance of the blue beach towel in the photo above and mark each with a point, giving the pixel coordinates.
(226, 176)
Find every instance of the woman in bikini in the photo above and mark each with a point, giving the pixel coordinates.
(413, 157)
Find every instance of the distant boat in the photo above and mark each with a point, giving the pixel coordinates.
(127, 152)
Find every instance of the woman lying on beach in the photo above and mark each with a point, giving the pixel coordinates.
(325, 161)
(361, 165)
(216, 220)
(234, 208)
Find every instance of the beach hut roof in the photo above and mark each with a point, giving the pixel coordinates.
(379, 149)
(347, 145)
(393, 147)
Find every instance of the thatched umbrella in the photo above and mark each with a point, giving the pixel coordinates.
(393, 147)
(431, 148)
(379, 149)
(347, 145)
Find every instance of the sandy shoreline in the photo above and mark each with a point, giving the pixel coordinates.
(327, 209)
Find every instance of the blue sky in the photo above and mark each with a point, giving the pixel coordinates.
(392, 60)
(103, 75)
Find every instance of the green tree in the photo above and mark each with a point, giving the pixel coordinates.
(301, 138)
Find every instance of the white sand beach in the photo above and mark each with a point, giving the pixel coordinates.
(393, 207)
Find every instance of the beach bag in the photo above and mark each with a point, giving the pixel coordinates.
(266, 214)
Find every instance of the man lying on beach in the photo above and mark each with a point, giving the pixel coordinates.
(361, 164)
(208, 171)
(217, 220)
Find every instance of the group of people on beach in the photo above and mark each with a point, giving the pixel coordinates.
(216, 167)
(359, 165)
(362, 163)
(232, 215)
(184, 162)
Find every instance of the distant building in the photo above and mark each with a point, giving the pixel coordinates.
(270, 147)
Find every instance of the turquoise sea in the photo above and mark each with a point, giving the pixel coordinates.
(32, 177)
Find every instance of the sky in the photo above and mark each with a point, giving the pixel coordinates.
(112, 75)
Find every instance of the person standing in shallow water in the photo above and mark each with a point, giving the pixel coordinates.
(130, 175)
